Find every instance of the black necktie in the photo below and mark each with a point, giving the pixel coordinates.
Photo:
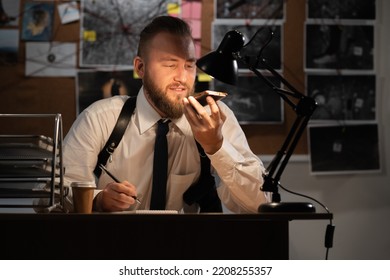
(160, 167)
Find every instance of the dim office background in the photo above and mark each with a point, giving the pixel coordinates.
(360, 201)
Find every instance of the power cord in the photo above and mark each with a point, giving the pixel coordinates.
(330, 227)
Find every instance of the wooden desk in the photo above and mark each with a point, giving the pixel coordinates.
(145, 236)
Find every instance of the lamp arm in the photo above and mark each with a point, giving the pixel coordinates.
(304, 108)
(281, 159)
(281, 92)
(284, 94)
(295, 93)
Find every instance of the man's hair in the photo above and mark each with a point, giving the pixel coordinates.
(172, 25)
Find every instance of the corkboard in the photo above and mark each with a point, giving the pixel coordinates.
(37, 95)
(20, 94)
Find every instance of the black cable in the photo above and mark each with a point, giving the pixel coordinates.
(329, 233)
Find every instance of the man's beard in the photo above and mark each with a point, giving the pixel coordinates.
(172, 110)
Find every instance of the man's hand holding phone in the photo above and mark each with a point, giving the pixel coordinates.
(206, 125)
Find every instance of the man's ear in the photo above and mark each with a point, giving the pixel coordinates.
(139, 66)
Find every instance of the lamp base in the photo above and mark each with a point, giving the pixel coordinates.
(289, 207)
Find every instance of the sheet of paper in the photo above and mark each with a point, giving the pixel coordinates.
(149, 212)
(50, 59)
(68, 12)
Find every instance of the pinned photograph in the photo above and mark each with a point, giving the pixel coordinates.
(110, 29)
(343, 97)
(94, 85)
(335, 46)
(351, 9)
(344, 149)
(250, 9)
(260, 40)
(37, 21)
(9, 12)
(251, 100)
(9, 46)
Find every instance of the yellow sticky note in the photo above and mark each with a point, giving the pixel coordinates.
(173, 9)
(89, 35)
(203, 77)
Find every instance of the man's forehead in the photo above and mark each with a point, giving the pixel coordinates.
(171, 45)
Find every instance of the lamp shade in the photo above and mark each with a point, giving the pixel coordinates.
(222, 64)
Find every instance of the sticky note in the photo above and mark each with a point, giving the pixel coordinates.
(89, 35)
(173, 9)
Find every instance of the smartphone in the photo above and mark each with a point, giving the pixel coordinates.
(201, 96)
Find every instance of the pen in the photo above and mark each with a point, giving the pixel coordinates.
(102, 167)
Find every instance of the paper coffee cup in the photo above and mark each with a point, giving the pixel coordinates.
(83, 196)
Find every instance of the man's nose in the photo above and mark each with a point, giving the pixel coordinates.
(181, 74)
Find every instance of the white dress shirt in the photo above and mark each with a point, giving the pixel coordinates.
(238, 171)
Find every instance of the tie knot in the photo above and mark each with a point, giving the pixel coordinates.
(163, 127)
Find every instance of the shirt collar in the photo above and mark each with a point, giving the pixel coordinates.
(147, 117)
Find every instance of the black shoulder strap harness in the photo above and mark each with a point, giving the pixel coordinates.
(203, 192)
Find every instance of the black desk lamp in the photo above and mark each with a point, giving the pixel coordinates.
(222, 65)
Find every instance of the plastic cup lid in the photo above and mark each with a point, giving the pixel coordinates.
(83, 184)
